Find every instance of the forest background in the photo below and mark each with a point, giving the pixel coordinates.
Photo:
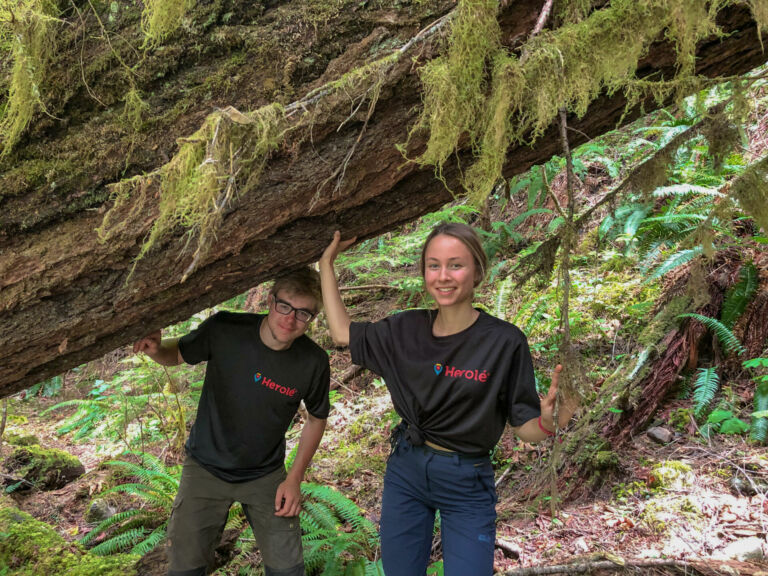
(637, 259)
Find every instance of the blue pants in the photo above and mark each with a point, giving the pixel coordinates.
(420, 480)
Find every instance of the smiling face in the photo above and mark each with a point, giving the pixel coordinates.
(280, 330)
(450, 273)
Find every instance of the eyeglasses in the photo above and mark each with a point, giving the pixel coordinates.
(301, 314)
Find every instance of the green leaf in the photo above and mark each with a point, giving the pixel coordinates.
(718, 416)
(734, 426)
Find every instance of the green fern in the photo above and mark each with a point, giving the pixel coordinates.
(140, 529)
(704, 389)
(740, 295)
(759, 430)
(674, 261)
(335, 532)
(120, 542)
(686, 190)
(724, 335)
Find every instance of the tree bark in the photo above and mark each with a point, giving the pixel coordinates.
(66, 298)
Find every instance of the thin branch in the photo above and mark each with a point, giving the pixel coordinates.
(368, 287)
(540, 22)
(592, 565)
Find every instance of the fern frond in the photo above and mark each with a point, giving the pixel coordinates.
(80, 403)
(107, 523)
(151, 541)
(120, 542)
(674, 261)
(759, 431)
(740, 295)
(724, 335)
(704, 389)
(321, 513)
(685, 190)
(153, 497)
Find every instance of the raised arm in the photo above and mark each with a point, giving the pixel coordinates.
(335, 311)
(163, 351)
(537, 429)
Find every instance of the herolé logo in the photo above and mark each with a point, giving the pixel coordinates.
(259, 378)
(453, 372)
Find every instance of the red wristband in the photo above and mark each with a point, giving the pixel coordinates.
(547, 432)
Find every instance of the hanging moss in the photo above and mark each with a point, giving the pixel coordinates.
(161, 18)
(33, 42)
(751, 191)
(760, 13)
(134, 109)
(454, 86)
(202, 180)
(568, 67)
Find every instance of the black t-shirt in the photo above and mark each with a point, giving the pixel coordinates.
(250, 394)
(459, 390)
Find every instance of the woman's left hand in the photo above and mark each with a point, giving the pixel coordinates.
(548, 401)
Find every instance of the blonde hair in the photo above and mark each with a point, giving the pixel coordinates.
(303, 281)
(467, 235)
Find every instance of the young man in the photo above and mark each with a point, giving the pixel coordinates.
(259, 369)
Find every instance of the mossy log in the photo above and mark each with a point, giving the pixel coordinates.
(66, 297)
(30, 547)
(42, 468)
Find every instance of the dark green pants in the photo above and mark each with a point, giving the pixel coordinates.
(200, 512)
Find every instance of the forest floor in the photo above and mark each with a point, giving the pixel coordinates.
(709, 505)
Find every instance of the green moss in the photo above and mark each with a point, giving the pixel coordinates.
(44, 467)
(454, 85)
(21, 439)
(671, 475)
(161, 18)
(568, 67)
(751, 191)
(760, 13)
(33, 44)
(604, 460)
(134, 109)
(680, 418)
(665, 320)
(660, 515)
(29, 547)
(201, 180)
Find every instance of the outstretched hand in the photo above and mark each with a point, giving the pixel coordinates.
(150, 344)
(548, 401)
(336, 247)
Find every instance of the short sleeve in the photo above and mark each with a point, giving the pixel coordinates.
(317, 401)
(370, 344)
(522, 400)
(195, 347)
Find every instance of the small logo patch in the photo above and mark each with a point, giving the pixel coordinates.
(438, 368)
(257, 376)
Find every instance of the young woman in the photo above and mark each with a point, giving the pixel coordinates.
(456, 376)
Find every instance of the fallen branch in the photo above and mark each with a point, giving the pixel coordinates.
(509, 549)
(368, 287)
(589, 566)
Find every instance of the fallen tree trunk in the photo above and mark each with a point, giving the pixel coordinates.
(67, 298)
